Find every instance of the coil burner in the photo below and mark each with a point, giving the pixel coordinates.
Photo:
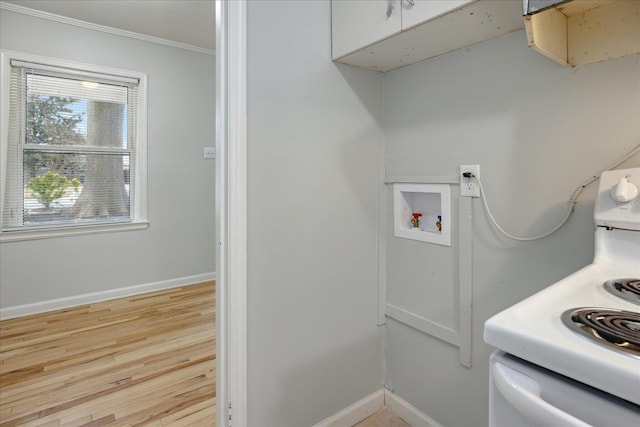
(618, 329)
(629, 289)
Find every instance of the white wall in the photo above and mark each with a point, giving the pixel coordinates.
(537, 130)
(180, 241)
(314, 146)
(315, 137)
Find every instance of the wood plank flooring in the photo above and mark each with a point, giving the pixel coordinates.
(383, 418)
(145, 360)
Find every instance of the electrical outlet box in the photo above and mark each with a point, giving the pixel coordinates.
(209, 152)
(469, 187)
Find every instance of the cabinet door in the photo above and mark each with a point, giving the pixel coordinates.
(358, 23)
(418, 11)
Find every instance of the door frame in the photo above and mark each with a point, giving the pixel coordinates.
(231, 213)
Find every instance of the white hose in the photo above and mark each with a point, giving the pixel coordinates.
(572, 201)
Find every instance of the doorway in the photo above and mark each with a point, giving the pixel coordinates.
(230, 217)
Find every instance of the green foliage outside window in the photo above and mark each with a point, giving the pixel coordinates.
(51, 186)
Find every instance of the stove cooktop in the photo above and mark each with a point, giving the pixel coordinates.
(616, 329)
(628, 289)
(549, 342)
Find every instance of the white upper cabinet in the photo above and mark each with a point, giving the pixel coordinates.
(383, 35)
(358, 23)
(420, 11)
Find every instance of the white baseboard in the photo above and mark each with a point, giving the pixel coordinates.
(73, 301)
(355, 413)
(371, 404)
(412, 415)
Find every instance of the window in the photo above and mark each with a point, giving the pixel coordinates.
(73, 148)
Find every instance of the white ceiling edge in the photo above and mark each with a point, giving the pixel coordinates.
(102, 28)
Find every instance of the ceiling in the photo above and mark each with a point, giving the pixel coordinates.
(190, 22)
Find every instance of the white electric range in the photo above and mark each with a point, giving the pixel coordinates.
(564, 372)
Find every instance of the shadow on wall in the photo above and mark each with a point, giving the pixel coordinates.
(537, 130)
(327, 383)
(362, 147)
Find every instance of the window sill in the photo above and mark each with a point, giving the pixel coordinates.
(48, 233)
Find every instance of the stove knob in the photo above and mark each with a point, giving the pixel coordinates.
(624, 191)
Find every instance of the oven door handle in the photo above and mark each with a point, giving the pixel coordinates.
(524, 394)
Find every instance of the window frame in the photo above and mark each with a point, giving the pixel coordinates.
(139, 219)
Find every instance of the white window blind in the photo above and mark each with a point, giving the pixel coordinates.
(71, 148)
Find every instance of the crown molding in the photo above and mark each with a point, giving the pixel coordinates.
(102, 28)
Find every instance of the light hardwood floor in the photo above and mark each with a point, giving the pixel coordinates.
(146, 360)
(383, 418)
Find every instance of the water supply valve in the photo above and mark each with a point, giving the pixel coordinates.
(415, 221)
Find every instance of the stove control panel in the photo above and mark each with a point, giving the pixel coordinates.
(618, 203)
(624, 191)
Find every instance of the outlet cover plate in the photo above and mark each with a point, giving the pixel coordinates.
(468, 186)
(209, 152)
